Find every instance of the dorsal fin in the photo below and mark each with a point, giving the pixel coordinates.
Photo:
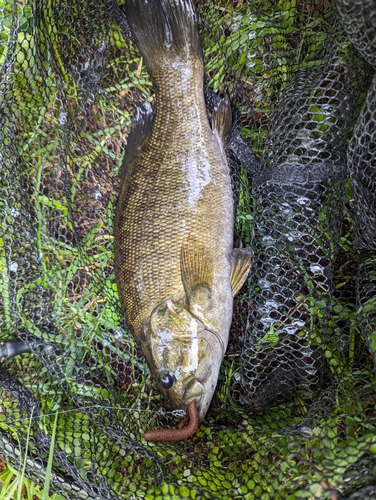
(142, 124)
(222, 119)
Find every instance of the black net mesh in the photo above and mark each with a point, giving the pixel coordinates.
(293, 415)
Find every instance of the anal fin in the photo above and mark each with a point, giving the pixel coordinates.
(240, 267)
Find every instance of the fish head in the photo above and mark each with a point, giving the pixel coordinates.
(185, 357)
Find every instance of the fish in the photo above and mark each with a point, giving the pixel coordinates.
(176, 267)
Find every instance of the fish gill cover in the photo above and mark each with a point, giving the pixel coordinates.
(293, 415)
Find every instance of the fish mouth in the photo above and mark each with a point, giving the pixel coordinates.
(195, 390)
(202, 388)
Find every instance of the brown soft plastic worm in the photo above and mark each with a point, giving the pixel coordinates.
(180, 433)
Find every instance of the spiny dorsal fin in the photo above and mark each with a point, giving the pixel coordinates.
(222, 119)
(142, 124)
(240, 266)
(197, 273)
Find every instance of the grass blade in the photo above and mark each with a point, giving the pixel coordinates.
(49, 464)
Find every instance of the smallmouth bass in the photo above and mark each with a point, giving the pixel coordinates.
(176, 269)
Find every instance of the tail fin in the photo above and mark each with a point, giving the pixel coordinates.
(164, 30)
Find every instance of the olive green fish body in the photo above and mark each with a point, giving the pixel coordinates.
(174, 256)
(177, 193)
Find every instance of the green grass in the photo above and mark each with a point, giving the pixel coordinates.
(268, 42)
(13, 483)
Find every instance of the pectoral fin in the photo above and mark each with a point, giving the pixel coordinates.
(241, 264)
(197, 275)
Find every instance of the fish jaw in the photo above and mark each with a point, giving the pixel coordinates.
(202, 392)
(186, 391)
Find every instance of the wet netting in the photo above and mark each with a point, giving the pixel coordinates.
(293, 415)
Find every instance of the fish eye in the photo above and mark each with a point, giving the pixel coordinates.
(167, 380)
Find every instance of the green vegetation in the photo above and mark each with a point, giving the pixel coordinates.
(261, 48)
